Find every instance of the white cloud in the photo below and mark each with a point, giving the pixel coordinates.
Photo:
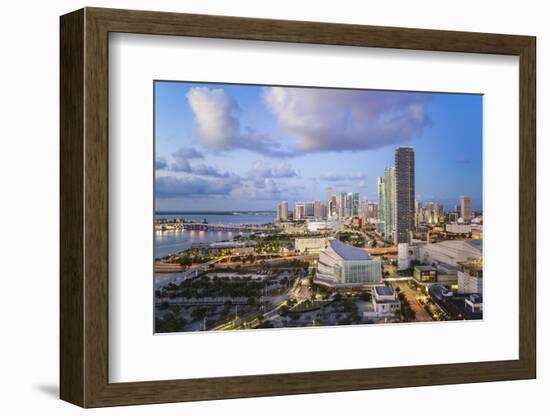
(218, 125)
(262, 170)
(215, 114)
(336, 120)
(330, 176)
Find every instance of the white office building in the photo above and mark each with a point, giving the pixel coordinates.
(470, 277)
(384, 301)
(403, 259)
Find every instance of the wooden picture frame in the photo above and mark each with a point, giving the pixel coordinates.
(84, 207)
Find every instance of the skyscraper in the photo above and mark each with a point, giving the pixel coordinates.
(317, 213)
(282, 211)
(372, 210)
(309, 210)
(381, 198)
(355, 205)
(299, 210)
(386, 205)
(466, 208)
(364, 209)
(341, 205)
(330, 207)
(439, 213)
(404, 194)
(348, 205)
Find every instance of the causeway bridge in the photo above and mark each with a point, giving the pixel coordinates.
(199, 226)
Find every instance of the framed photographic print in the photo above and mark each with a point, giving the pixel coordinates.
(256, 207)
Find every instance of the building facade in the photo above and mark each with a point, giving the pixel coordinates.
(466, 208)
(317, 211)
(425, 274)
(282, 211)
(307, 245)
(384, 301)
(299, 211)
(386, 206)
(470, 277)
(403, 259)
(344, 266)
(404, 194)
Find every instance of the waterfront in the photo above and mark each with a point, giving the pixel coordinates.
(171, 242)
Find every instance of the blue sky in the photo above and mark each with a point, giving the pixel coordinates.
(241, 147)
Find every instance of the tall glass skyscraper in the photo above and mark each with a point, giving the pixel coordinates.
(386, 205)
(404, 194)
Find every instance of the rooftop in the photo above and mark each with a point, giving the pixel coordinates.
(474, 267)
(425, 268)
(348, 252)
(383, 291)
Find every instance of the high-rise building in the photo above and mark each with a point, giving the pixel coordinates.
(317, 212)
(330, 207)
(380, 226)
(299, 210)
(404, 194)
(348, 205)
(309, 210)
(341, 205)
(372, 210)
(355, 204)
(439, 213)
(282, 211)
(386, 205)
(364, 209)
(466, 208)
(324, 212)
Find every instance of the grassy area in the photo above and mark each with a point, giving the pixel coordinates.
(309, 305)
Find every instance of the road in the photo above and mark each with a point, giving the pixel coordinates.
(296, 292)
(416, 306)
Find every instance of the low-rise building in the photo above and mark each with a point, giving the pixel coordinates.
(458, 228)
(450, 252)
(446, 256)
(425, 274)
(233, 247)
(447, 274)
(320, 226)
(477, 232)
(384, 301)
(470, 277)
(474, 303)
(308, 245)
(342, 266)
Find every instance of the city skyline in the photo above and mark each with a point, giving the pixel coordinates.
(242, 147)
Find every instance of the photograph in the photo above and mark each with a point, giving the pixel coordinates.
(296, 206)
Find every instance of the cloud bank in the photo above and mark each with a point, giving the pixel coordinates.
(182, 158)
(192, 186)
(336, 120)
(218, 125)
(262, 170)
